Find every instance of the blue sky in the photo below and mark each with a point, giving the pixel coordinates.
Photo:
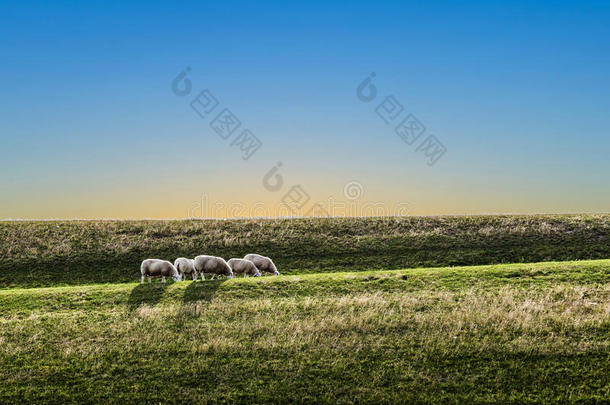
(518, 93)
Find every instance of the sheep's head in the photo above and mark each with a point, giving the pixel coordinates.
(176, 274)
(273, 268)
(257, 273)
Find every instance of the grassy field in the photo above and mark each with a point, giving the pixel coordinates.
(50, 253)
(504, 333)
(366, 311)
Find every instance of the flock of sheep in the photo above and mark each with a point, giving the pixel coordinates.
(251, 265)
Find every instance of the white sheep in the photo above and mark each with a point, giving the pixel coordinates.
(263, 263)
(185, 266)
(212, 264)
(243, 266)
(158, 268)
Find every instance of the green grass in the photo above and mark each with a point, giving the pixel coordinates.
(503, 333)
(366, 311)
(38, 254)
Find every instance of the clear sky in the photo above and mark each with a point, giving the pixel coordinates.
(518, 94)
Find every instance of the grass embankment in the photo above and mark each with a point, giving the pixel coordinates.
(78, 252)
(505, 333)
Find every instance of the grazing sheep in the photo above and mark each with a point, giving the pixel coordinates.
(158, 268)
(263, 263)
(212, 264)
(243, 266)
(185, 266)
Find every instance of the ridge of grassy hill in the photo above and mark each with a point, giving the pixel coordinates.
(503, 333)
(46, 253)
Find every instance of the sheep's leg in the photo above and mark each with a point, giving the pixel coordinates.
(213, 275)
(195, 276)
(142, 282)
(163, 279)
(149, 279)
(245, 275)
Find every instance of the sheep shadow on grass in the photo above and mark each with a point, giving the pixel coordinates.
(201, 291)
(146, 293)
(198, 295)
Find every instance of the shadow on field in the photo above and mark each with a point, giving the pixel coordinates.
(146, 293)
(201, 290)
